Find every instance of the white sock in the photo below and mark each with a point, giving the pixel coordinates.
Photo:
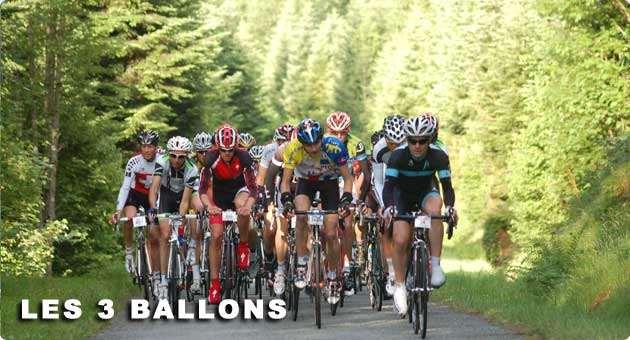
(332, 274)
(281, 266)
(390, 266)
(303, 260)
(196, 272)
(435, 261)
(163, 279)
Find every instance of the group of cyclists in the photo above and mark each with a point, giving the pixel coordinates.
(226, 170)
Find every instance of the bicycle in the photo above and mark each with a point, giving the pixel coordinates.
(373, 262)
(175, 269)
(142, 272)
(235, 282)
(315, 272)
(260, 270)
(292, 293)
(204, 266)
(419, 269)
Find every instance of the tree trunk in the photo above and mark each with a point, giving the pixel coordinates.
(51, 107)
(32, 70)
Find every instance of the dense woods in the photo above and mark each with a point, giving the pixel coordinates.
(533, 98)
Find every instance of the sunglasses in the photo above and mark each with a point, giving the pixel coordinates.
(226, 150)
(413, 141)
(178, 157)
(202, 152)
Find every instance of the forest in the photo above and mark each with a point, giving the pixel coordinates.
(533, 99)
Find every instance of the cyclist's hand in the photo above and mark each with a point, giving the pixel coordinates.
(214, 210)
(452, 213)
(287, 202)
(344, 204)
(152, 214)
(388, 214)
(244, 211)
(114, 218)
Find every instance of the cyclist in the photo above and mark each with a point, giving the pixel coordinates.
(256, 153)
(393, 137)
(275, 231)
(246, 140)
(409, 181)
(175, 179)
(202, 143)
(338, 124)
(317, 162)
(134, 191)
(228, 182)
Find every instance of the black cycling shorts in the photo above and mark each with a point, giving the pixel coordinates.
(328, 191)
(409, 202)
(137, 199)
(169, 201)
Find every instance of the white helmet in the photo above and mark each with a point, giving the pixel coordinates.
(179, 143)
(421, 126)
(202, 141)
(246, 140)
(394, 128)
(256, 152)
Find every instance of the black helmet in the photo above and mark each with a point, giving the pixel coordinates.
(148, 137)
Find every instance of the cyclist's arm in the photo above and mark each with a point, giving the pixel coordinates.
(153, 191)
(367, 174)
(444, 174)
(205, 187)
(130, 174)
(378, 182)
(347, 178)
(183, 205)
(260, 177)
(285, 185)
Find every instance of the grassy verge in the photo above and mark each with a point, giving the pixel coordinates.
(111, 282)
(513, 304)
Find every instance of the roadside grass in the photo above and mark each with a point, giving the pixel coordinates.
(517, 308)
(111, 282)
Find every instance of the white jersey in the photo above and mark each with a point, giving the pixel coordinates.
(176, 180)
(269, 151)
(138, 176)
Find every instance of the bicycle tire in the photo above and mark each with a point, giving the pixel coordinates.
(144, 272)
(417, 275)
(173, 289)
(424, 295)
(317, 290)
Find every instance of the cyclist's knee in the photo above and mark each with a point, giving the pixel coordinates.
(433, 205)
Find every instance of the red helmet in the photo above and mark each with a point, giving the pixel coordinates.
(338, 122)
(283, 132)
(226, 137)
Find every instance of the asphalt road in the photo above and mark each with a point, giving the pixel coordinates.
(356, 320)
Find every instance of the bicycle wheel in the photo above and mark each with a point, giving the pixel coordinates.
(144, 271)
(227, 262)
(424, 294)
(205, 274)
(317, 290)
(173, 289)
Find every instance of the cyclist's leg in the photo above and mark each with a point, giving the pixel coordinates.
(269, 231)
(330, 201)
(432, 205)
(214, 257)
(305, 192)
(240, 200)
(401, 237)
(129, 211)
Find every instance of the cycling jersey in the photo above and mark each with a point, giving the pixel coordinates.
(269, 151)
(176, 180)
(356, 149)
(227, 179)
(409, 177)
(323, 166)
(380, 156)
(138, 177)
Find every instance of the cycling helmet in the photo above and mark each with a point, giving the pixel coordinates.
(421, 126)
(283, 132)
(179, 143)
(226, 137)
(148, 137)
(309, 131)
(376, 136)
(256, 152)
(394, 128)
(202, 141)
(338, 122)
(246, 140)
